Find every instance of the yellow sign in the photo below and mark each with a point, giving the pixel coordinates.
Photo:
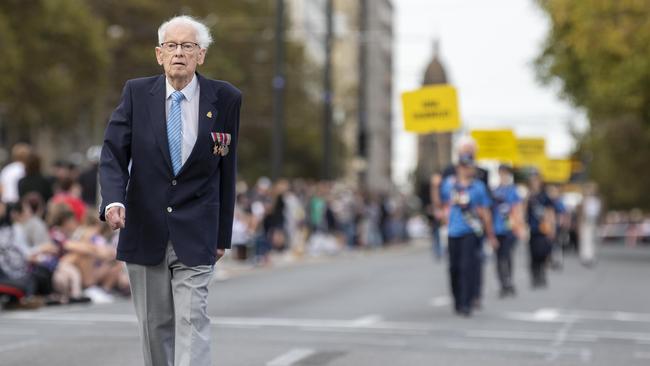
(557, 171)
(531, 152)
(431, 109)
(496, 144)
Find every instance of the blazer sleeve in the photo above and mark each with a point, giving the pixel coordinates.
(116, 154)
(227, 189)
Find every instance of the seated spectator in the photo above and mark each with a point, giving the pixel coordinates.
(29, 217)
(94, 256)
(15, 277)
(69, 194)
(34, 181)
(66, 277)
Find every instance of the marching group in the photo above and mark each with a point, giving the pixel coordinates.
(475, 217)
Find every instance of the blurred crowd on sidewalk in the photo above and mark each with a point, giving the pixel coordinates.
(54, 250)
(314, 218)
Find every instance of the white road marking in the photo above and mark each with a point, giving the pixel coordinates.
(440, 301)
(364, 324)
(528, 335)
(413, 332)
(322, 323)
(546, 315)
(559, 340)
(562, 315)
(291, 357)
(587, 336)
(367, 320)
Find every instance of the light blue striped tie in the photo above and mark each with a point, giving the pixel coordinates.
(174, 131)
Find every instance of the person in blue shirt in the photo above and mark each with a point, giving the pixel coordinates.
(508, 225)
(467, 147)
(469, 219)
(540, 214)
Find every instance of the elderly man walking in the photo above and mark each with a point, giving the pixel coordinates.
(167, 175)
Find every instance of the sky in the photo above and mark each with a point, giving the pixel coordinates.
(487, 49)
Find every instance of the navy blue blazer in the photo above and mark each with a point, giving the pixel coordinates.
(194, 209)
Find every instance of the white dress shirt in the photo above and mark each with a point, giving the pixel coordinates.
(189, 119)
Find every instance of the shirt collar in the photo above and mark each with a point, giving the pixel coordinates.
(188, 91)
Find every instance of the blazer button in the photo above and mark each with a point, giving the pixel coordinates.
(169, 209)
(174, 182)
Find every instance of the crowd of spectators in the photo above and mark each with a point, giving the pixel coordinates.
(315, 218)
(54, 250)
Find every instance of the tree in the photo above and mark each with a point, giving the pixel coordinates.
(56, 60)
(242, 54)
(599, 51)
(65, 63)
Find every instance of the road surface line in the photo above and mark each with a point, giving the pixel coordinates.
(440, 301)
(366, 330)
(509, 347)
(563, 315)
(527, 335)
(367, 320)
(291, 357)
(229, 321)
(558, 340)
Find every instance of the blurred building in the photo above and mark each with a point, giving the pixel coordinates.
(362, 62)
(434, 149)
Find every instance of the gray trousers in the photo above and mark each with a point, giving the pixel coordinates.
(171, 305)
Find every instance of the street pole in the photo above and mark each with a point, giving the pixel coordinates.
(279, 81)
(328, 94)
(362, 133)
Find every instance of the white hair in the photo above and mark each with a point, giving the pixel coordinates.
(466, 142)
(203, 37)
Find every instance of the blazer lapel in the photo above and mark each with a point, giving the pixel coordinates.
(207, 103)
(158, 119)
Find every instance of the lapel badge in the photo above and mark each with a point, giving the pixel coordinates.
(209, 114)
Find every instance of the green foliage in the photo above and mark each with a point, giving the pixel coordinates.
(72, 57)
(56, 61)
(599, 51)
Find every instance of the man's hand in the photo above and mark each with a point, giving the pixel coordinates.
(220, 253)
(116, 217)
(493, 242)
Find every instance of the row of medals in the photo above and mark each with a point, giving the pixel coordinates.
(220, 149)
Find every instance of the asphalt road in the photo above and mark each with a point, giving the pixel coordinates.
(382, 308)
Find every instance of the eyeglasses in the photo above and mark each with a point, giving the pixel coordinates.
(185, 46)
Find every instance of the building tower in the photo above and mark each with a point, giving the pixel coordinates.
(434, 149)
